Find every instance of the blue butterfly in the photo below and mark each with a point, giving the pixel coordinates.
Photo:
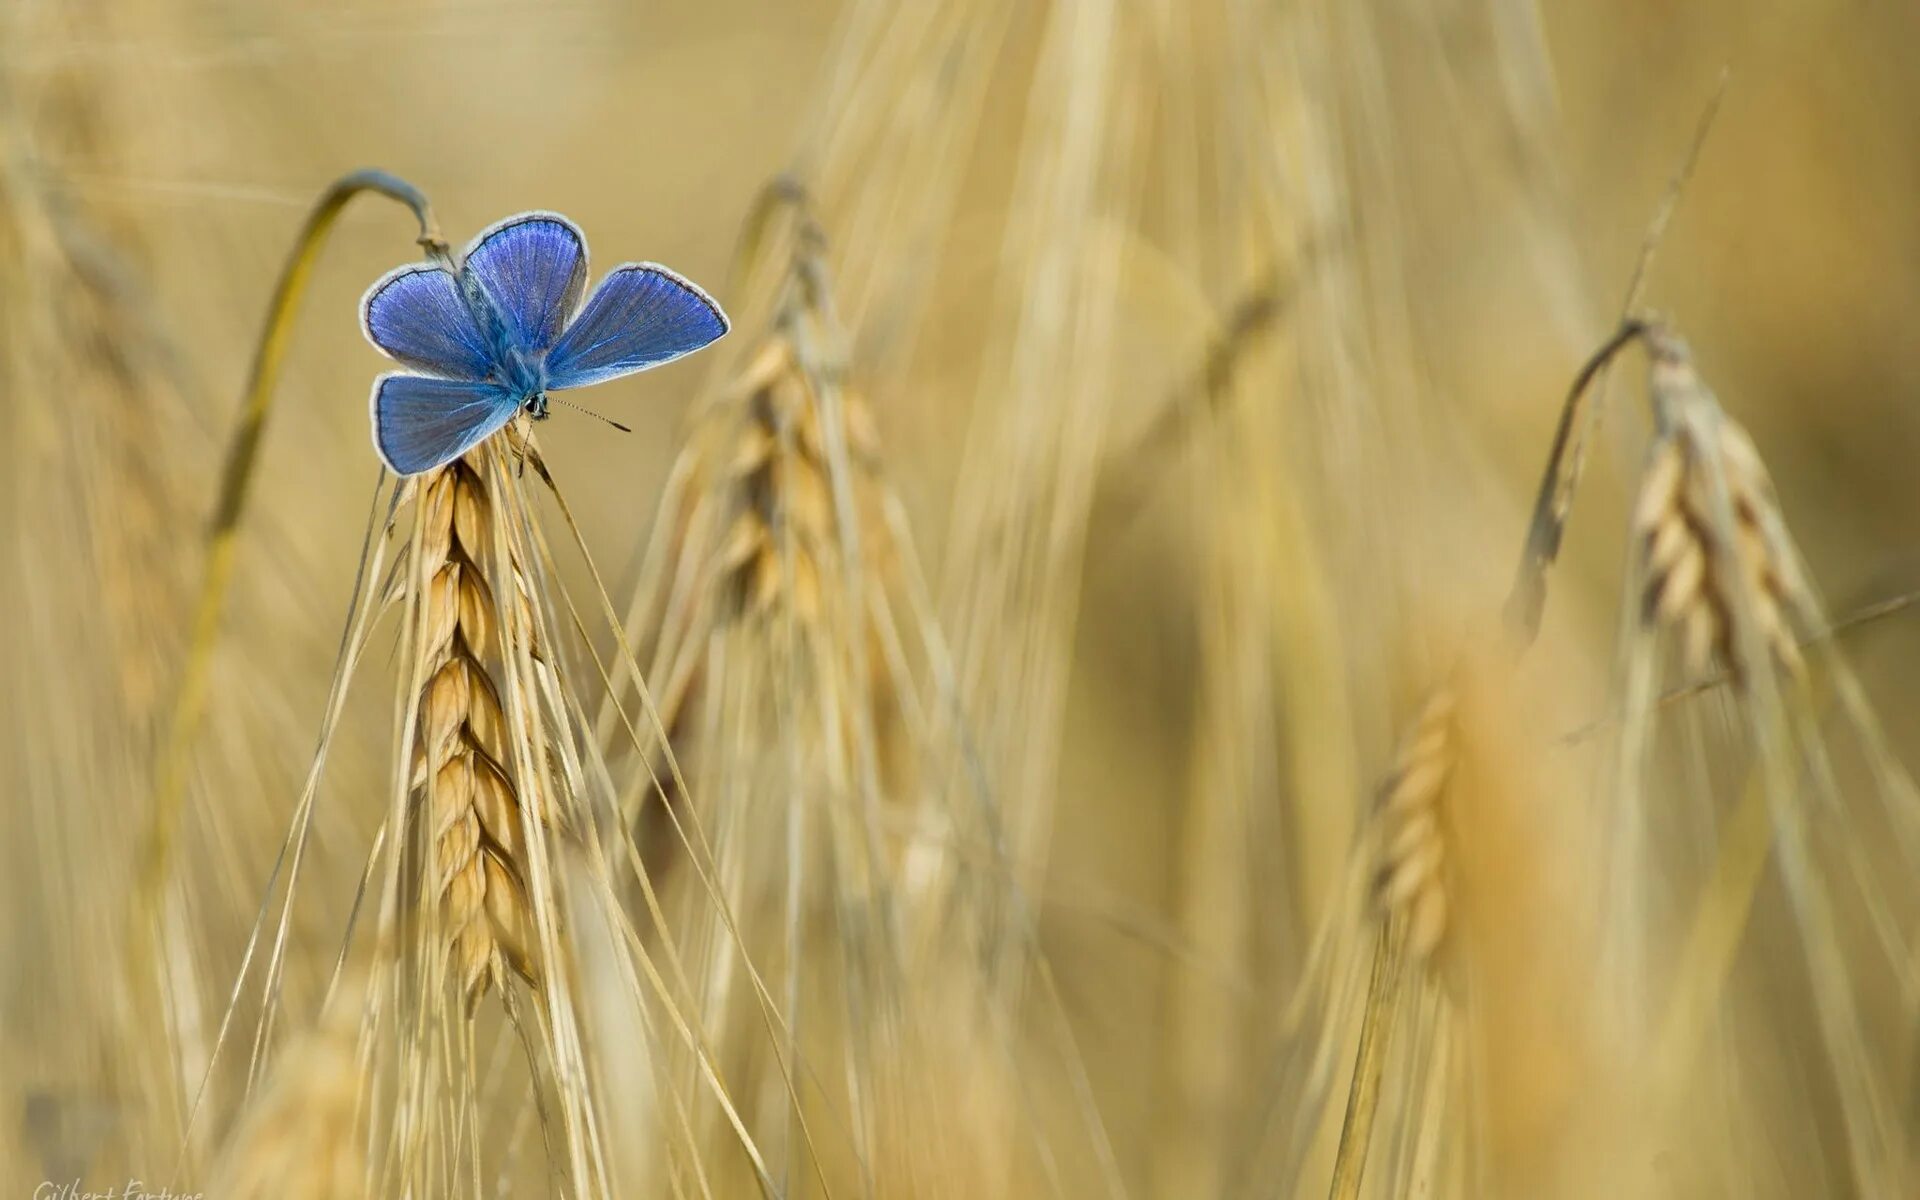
(495, 336)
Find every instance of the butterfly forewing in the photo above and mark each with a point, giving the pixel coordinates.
(421, 423)
(532, 268)
(640, 316)
(418, 315)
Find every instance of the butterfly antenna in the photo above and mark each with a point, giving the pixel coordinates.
(596, 416)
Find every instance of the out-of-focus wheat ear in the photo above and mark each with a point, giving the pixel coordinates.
(1409, 888)
(1408, 868)
(1716, 569)
(1477, 881)
(788, 659)
(1410, 839)
(1702, 574)
(303, 1137)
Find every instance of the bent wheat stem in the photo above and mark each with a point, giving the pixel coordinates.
(190, 697)
(1554, 501)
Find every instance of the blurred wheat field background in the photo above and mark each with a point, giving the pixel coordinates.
(1045, 706)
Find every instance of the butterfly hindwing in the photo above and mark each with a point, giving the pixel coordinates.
(418, 315)
(533, 269)
(420, 423)
(641, 315)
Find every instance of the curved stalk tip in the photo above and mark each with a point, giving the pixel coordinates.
(242, 454)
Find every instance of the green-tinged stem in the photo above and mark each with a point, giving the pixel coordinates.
(243, 449)
(1369, 1063)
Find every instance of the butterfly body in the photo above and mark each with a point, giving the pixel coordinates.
(514, 368)
(491, 336)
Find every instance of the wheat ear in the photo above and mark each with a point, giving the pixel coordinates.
(1410, 855)
(1696, 569)
(302, 1139)
(462, 784)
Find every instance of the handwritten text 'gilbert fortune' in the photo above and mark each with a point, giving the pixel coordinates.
(132, 1189)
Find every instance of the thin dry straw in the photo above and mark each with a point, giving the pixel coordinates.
(697, 845)
(352, 643)
(1878, 610)
(190, 698)
(1244, 328)
(754, 575)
